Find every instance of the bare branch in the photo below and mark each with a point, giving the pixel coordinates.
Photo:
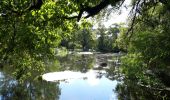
(134, 17)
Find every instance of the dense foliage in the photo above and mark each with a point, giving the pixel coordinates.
(148, 46)
(29, 37)
(30, 32)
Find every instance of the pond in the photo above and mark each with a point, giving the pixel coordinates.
(76, 76)
(84, 77)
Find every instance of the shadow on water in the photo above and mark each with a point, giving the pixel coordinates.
(11, 89)
(101, 80)
(129, 90)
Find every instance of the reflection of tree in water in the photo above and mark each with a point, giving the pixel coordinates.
(114, 71)
(77, 62)
(129, 90)
(29, 90)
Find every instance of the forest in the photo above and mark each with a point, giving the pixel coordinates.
(37, 36)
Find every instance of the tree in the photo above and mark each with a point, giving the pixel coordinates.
(85, 39)
(31, 30)
(106, 41)
(28, 38)
(148, 48)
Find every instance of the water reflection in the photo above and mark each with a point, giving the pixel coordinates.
(77, 62)
(129, 90)
(98, 89)
(93, 85)
(10, 89)
(78, 77)
(84, 82)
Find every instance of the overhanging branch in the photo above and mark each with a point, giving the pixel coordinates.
(135, 7)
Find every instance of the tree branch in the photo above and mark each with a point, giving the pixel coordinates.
(92, 10)
(134, 17)
(36, 5)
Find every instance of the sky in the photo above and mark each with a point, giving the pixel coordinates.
(117, 17)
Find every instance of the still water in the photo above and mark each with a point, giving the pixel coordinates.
(101, 89)
(87, 79)
(77, 76)
(84, 86)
